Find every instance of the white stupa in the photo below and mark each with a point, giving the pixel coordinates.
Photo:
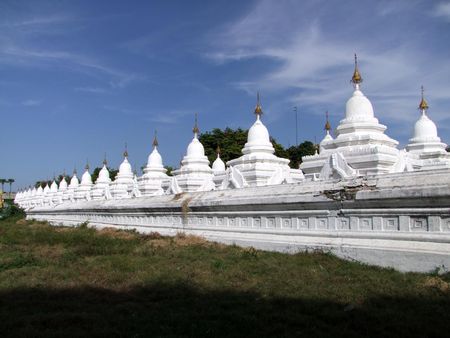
(33, 197)
(154, 181)
(100, 190)
(62, 188)
(47, 199)
(258, 165)
(83, 191)
(360, 140)
(54, 192)
(425, 149)
(39, 198)
(328, 138)
(219, 170)
(195, 173)
(69, 194)
(123, 184)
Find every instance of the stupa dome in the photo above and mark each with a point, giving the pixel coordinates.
(103, 175)
(86, 178)
(258, 134)
(74, 181)
(358, 107)
(155, 159)
(425, 129)
(195, 148)
(63, 184)
(218, 165)
(125, 168)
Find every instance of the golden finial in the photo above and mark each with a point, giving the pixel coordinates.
(258, 109)
(195, 130)
(125, 153)
(356, 78)
(74, 170)
(105, 162)
(327, 124)
(155, 141)
(218, 150)
(87, 164)
(423, 103)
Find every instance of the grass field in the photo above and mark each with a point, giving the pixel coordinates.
(64, 282)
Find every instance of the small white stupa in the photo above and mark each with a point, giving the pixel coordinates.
(363, 147)
(258, 165)
(100, 190)
(195, 173)
(425, 149)
(39, 199)
(33, 197)
(154, 180)
(83, 191)
(69, 194)
(62, 188)
(219, 170)
(54, 192)
(123, 184)
(47, 199)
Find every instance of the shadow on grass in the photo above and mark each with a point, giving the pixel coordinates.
(181, 310)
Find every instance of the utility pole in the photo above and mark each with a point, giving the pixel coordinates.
(296, 126)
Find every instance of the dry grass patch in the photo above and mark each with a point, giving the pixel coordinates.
(118, 233)
(436, 282)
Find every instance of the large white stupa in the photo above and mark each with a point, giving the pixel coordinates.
(425, 149)
(258, 165)
(154, 181)
(360, 142)
(194, 173)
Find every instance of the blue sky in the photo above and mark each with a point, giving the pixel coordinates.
(81, 78)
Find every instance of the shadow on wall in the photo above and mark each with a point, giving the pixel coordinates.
(181, 310)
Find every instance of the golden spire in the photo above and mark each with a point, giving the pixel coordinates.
(423, 105)
(155, 141)
(195, 130)
(356, 78)
(327, 124)
(74, 170)
(258, 109)
(125, 153)
(105, 162)
(218, 150)
(87, 164)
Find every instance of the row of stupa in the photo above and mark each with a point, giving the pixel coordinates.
(360, 147)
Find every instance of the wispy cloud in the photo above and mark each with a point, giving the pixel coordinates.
(442, 10)
(93, 90)
(310, 56)
(31, 103)
(169, 117)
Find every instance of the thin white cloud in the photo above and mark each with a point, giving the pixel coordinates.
(169, 117)
(442, 10)
(31, 103)
(93, 90)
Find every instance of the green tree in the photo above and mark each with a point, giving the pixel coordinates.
(231, 142)
(10, 181)
(296, 153)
